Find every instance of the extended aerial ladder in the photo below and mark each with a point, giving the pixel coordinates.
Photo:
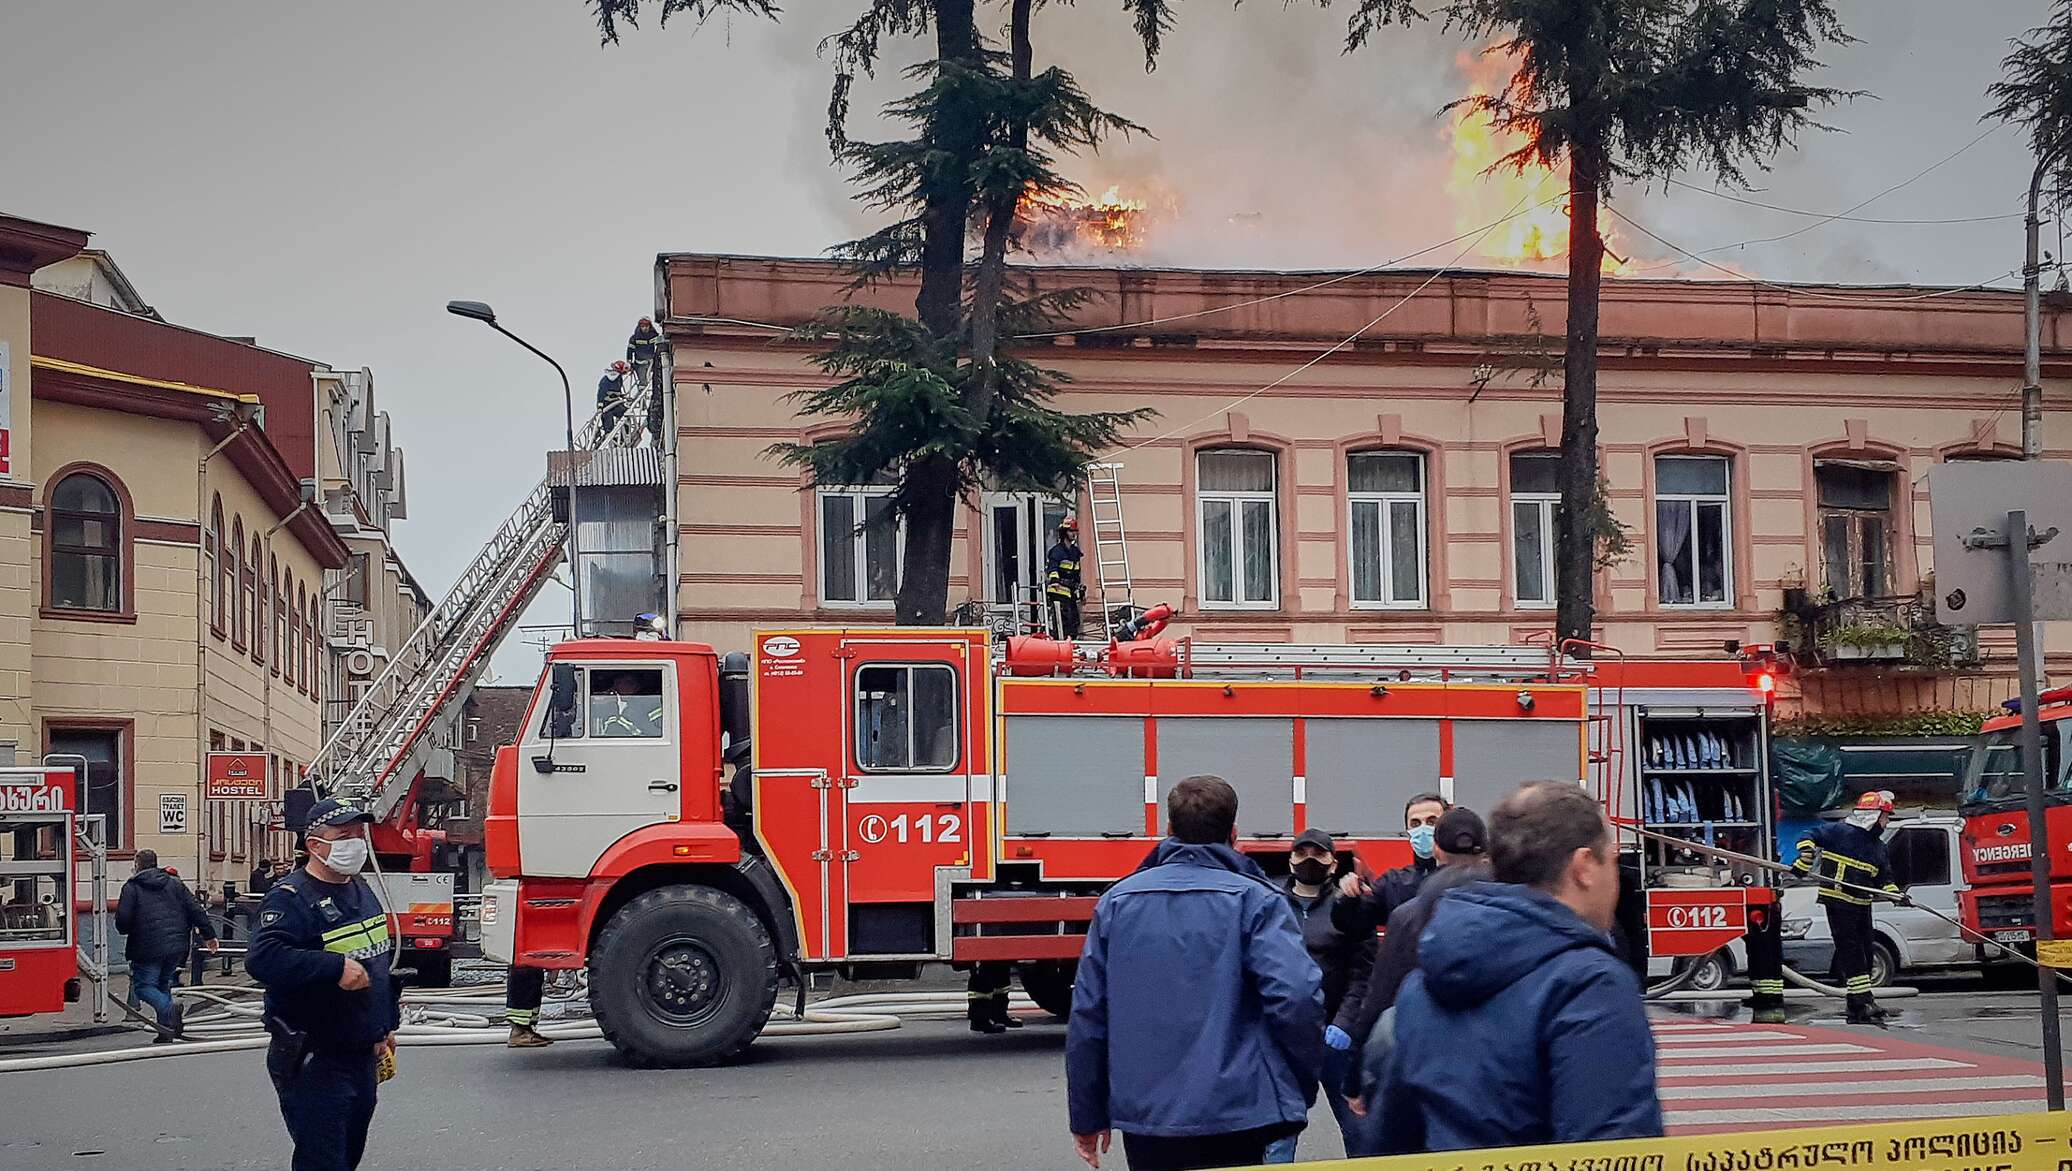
(376, 753)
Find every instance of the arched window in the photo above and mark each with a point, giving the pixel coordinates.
(223, 586)
(234, 563)
(255, 602)
(276, 611)
(312, 676)
(302, 650)
(86, 545)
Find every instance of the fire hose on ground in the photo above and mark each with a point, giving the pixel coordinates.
(1670, 989)
(230, 1022)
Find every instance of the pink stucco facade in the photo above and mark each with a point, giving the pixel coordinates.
(1790, 399)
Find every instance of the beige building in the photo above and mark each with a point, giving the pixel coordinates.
(1367, 459)
(161, 561)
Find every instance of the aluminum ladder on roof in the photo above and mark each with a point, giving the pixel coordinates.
(378, 750)
(1111, 542)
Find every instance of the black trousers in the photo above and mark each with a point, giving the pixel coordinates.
(1850, 924)
(614, 410)
(328, 1105)
(524, 988)
(1246, 1148)
(985, 997)
(1064, 616)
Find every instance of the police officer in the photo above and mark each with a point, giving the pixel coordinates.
(1852, 852)
(322, 951)
(1063, 587)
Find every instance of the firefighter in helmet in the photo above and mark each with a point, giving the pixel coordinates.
(611, 395)
(1063, 587)
(631, 707)
(642, 347)
(1849, 859)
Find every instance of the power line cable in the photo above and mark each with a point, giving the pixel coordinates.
(1842, 216)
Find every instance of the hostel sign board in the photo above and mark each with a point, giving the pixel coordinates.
(236, 776)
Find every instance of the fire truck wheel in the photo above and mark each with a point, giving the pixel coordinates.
(683, 976)
(1049, 984)
(434, 969)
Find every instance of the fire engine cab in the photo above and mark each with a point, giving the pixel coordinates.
(691, 826)
(1998, 900)
(39, 962)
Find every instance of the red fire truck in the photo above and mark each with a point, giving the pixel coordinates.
(905, 796)
(39, 960)
(1997, 901)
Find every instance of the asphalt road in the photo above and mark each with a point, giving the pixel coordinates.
(930, 1095)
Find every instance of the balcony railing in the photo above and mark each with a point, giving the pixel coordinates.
(1886, 632)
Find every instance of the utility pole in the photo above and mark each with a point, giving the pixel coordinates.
(2032, 322)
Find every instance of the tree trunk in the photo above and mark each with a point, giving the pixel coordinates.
(987, 286)
(1575, 554)
(930, 485)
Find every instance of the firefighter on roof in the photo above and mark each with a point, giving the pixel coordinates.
(1849, 858)
(322, 950)
(1063, 587)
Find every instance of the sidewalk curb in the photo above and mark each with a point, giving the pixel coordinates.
(13, 1041)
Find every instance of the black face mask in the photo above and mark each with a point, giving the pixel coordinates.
(1311, 871)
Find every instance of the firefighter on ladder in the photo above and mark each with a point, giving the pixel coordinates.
(1849, 859)
(1064, 587)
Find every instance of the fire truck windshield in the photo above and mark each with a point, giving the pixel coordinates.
(1996, 765)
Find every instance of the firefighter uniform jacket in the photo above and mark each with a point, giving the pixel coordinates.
(641, 347)
(1840, 852)
(1061, 572)
(307, 930)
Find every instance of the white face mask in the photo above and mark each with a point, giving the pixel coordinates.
(346, 855)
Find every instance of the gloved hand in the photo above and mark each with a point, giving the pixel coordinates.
(1337, 1038)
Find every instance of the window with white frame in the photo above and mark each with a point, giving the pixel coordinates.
(1238, 529)
(1386, 496)
(1694, 560)
(859, 545)
(1535, 511)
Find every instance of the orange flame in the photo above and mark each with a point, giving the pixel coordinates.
(1062, 221)
(1535, 226)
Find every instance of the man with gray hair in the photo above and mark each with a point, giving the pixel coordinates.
(1522, 1025)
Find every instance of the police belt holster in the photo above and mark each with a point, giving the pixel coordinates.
(287, 1052)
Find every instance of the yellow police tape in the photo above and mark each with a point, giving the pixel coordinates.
(2054, 953)
(2007, 1142)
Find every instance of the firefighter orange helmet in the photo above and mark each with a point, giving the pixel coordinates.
(1875, 801)
(620, 367)
(1068, 525)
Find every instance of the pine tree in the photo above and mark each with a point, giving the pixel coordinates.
(1627, 90)
(936, 399)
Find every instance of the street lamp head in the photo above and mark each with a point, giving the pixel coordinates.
(472, 309)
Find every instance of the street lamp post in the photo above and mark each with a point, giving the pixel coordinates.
(477, 311)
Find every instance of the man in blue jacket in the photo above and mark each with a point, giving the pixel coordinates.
(1197, 1023)
(1522, 1025)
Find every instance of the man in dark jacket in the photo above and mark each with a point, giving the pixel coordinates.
(1342, 959)
(1197, 1024)
(1460, 843)
(1521, 1025)
(1367, 904)
(158, 916)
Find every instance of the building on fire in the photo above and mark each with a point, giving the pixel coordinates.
(1764, 447)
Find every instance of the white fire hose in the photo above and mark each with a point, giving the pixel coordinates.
(475, 1016)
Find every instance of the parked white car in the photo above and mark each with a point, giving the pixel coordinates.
(1908, 941)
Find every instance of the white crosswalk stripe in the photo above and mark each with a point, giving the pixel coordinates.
(1722, 1075)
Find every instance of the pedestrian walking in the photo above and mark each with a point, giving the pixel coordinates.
(524, 991)
(1197, 1025)
(1367, 904)
(1852, 852)
(1460, 845)
(322, 951)
(1343, 961)
(1521, 1024)
(158, 917)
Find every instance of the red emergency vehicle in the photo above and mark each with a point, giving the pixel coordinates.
(1997, 901)
(39, 960)
(901, 796)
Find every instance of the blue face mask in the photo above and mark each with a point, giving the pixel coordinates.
(1421, 840)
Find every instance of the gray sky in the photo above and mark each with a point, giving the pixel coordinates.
(325, 177)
